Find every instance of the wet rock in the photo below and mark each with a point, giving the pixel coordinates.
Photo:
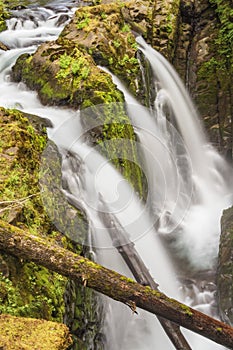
(207, 67)
(225, 268)
(31, 290)
(3, 47)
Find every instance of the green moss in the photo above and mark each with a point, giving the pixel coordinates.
(84, 22)
(75, 67)
(115, 46)
(126, 279)
(28, 333)
(31, 293)
(126, 28)
(215, 77)
(4, 14)
(66, 73)
(186, 309)
(20, 157)
(224, 41)
(29, 290)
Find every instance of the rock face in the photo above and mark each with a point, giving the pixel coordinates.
(204, 58)
(225, 268)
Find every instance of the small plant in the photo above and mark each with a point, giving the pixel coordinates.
(110, 60)
(85, 72)
(103, 15)
(132, 42)
(84, 23)
(65, 61)
(127, 59)
(116, 43)
(125, 28)
(73, 66)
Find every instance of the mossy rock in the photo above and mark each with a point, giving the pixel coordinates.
(22, 144)
(4, 15)
(65, 73)
(225, 268)
(30, 334)
(25, 288)
(20, 150)
(102, 32)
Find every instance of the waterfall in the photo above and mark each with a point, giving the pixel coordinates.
(187, 182)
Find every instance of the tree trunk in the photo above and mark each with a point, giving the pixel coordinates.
(27, 246)
(140, 272)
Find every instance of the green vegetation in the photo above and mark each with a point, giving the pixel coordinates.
(84, 22)
(4, 14)
(25, 288)
(186, 310)
(219, 329)
(28, 333)
(215, 77)
(126, 28)
(75, 65)
(30, 293)
(224, 41)
(222, 47)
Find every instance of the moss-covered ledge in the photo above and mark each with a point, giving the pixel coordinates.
(17, 333)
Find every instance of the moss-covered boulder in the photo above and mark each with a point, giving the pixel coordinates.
(64, 75)
(31, 334)
(225, 268)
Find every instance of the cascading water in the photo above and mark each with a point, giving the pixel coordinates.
(186, 182)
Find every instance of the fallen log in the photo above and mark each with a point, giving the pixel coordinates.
(31, 247)
(140, 272)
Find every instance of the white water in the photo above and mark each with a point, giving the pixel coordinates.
(198, 214)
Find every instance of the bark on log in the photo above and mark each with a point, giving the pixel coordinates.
(27, 246)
